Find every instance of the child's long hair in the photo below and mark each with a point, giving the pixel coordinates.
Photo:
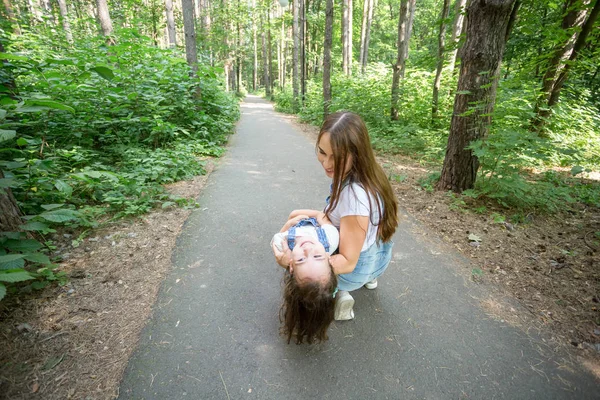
(308, 309)
(349, 137)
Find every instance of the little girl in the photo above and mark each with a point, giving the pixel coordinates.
(310, 285)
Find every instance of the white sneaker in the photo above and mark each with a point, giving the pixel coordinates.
(344, 306)
(372, 284)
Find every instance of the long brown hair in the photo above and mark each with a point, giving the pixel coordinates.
(308, 309)
(349, 138)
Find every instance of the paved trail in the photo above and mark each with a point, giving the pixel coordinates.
(420, 335)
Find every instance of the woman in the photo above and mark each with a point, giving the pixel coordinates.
(362, 205)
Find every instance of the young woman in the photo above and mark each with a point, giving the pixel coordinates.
(362, 205)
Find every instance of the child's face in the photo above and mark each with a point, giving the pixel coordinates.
(310, 261)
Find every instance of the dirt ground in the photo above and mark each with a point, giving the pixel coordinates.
(73, 342)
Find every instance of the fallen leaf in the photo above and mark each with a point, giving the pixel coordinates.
(474, 238)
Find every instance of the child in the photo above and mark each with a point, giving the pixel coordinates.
(304, 245)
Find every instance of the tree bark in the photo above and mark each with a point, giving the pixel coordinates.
(512, 19)
(255, 43)
(327, 57)
(345, 36)
(440, 60)
(265, 64)
(269, 53)
(302, 53)
(366, 34)
(573, 18)
(398, 68)
(189, 30)
(104, 17)
(481, 56)
(11, 17)
(64, 16)
(409, 28)
(579, 44)
(349, 36)
(459, 18)
(295, 82)
(170, 23)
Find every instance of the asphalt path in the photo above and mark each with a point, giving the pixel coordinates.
(420, 335)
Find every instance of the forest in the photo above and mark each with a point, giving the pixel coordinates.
(102, 103)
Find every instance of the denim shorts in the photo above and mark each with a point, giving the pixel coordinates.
(371, 263)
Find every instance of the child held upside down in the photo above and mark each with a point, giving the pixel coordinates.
(303, 247)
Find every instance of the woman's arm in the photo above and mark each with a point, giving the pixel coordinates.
(353, 231)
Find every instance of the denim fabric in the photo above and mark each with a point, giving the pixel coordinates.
(308, 221)
(372, 263)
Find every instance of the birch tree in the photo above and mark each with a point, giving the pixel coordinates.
(327, 57)
(104, 17)
(440, 60)
(170, 23)
(459, 18)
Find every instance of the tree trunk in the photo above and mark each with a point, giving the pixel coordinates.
(398, 68)
(189, 30)
(512, 19)
(579, 44)
(269, 53)
(11, 17)
(302, 41)
(295, 55)
(327, 57)
(104, 17)
(349, 37)
(459, 18)
(255, 43)
(409, 28)
(363, 34)
(366, 34)
(560, 61)
(440, 60)
(170, 23)
(10, 214)
(481, 55)
(265, 63)
(344, 36)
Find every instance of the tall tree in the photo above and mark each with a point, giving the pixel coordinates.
(104, 17)
(302, 42)
(327, 57)
(255, 44)
(561, 63)
(189, 29)
(10, 14)
(347, 37)
(365, 33)
(170, 23)
(402, 44)
(10, 214)
(459, 17)
(440, 60)
(64, 16)
(295, 82)
(481, 55)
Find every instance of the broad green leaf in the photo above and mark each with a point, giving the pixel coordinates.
(104, 72)
(22, 142)
(23, 245)
(7, 134)
(59, 215)
(6, 183)
(12, 262)
(15, 276)
(2, 291)
(577, 169)
(64, 187)
(35, 226)
(38, 258)
(2, 113)
(51, 104)
(14, 57)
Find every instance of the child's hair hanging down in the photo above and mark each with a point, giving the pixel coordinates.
(307, 309)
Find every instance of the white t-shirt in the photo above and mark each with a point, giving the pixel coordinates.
(333, 236)
(354, 200)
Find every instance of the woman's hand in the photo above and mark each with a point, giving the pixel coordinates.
(284, 256)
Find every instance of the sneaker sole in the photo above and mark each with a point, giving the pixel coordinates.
(345, 311)
(370, 285)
